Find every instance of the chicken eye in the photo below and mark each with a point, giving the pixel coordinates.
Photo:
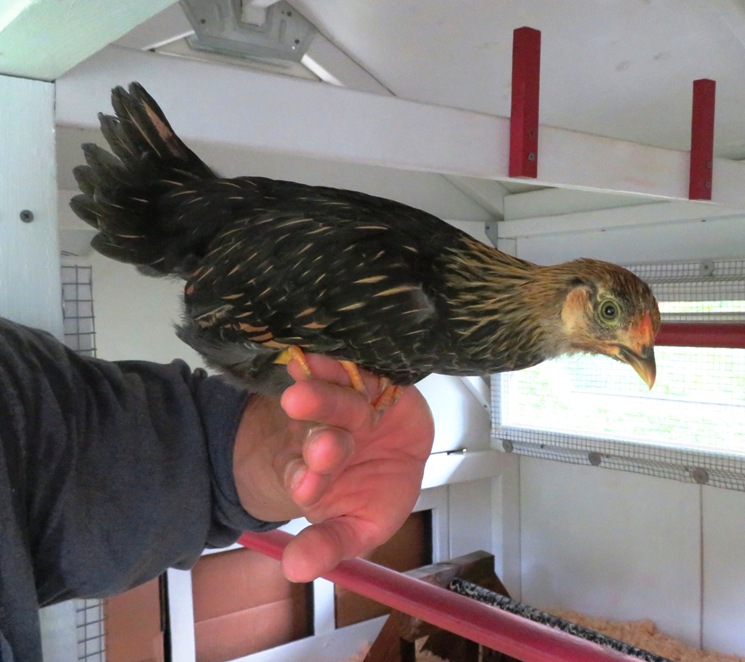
(609, 311)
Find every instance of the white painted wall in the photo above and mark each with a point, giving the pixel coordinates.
(30, 287)
(613, 544)
(136, 314)
(723, 595)
(29, 255)
(626, 546)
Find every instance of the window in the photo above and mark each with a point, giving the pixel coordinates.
(594, 410)
(698, 402)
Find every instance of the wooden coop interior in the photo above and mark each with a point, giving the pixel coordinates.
(610, 129)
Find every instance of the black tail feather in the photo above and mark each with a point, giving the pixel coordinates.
(144, 130)
(132, 196)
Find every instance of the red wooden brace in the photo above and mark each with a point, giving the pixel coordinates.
(702, 334)
(702, 140)
(526, 72)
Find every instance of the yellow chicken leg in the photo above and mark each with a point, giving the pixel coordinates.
(355, 377)
(294, 353)
(388, 395)
(387, 392)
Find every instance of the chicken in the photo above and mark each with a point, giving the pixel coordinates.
(275, 268)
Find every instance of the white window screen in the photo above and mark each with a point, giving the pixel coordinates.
(592, 410)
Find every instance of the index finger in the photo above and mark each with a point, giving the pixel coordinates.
(327, 403)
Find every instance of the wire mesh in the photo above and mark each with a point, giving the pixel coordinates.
(589, 410)
(91, 630)
(77, 308)
(80, 335)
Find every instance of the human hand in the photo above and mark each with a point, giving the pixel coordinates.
(320, 453)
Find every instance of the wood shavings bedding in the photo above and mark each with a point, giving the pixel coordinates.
(642, 634)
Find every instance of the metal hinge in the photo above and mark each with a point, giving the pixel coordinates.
(249, 30)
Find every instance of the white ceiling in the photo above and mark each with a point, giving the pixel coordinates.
(619, 68)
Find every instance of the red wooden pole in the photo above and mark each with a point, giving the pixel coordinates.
(526, 72)
(498, 630)
(701, 334)
(702, 140)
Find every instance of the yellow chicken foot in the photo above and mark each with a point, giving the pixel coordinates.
(355, 377)
(294, 353)
(388, 395)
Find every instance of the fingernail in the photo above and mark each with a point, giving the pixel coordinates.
(313, 430)
(295, 476)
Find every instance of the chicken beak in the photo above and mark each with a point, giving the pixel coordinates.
(638, 350)
(642, 362)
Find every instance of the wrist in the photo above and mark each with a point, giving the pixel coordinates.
(265, 446)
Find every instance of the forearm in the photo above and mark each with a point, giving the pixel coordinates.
(121, 470)
(109, 474)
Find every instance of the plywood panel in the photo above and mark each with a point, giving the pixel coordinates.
(243, 603)
(506, 524)
(133, 625)
(238, 580)
(59, 636)
(611, 544)
(409, 548)
(242, 633)
(724, 571)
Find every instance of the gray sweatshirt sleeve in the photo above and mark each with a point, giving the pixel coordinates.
(109, 474)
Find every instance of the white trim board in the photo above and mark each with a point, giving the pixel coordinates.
(275, 113)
